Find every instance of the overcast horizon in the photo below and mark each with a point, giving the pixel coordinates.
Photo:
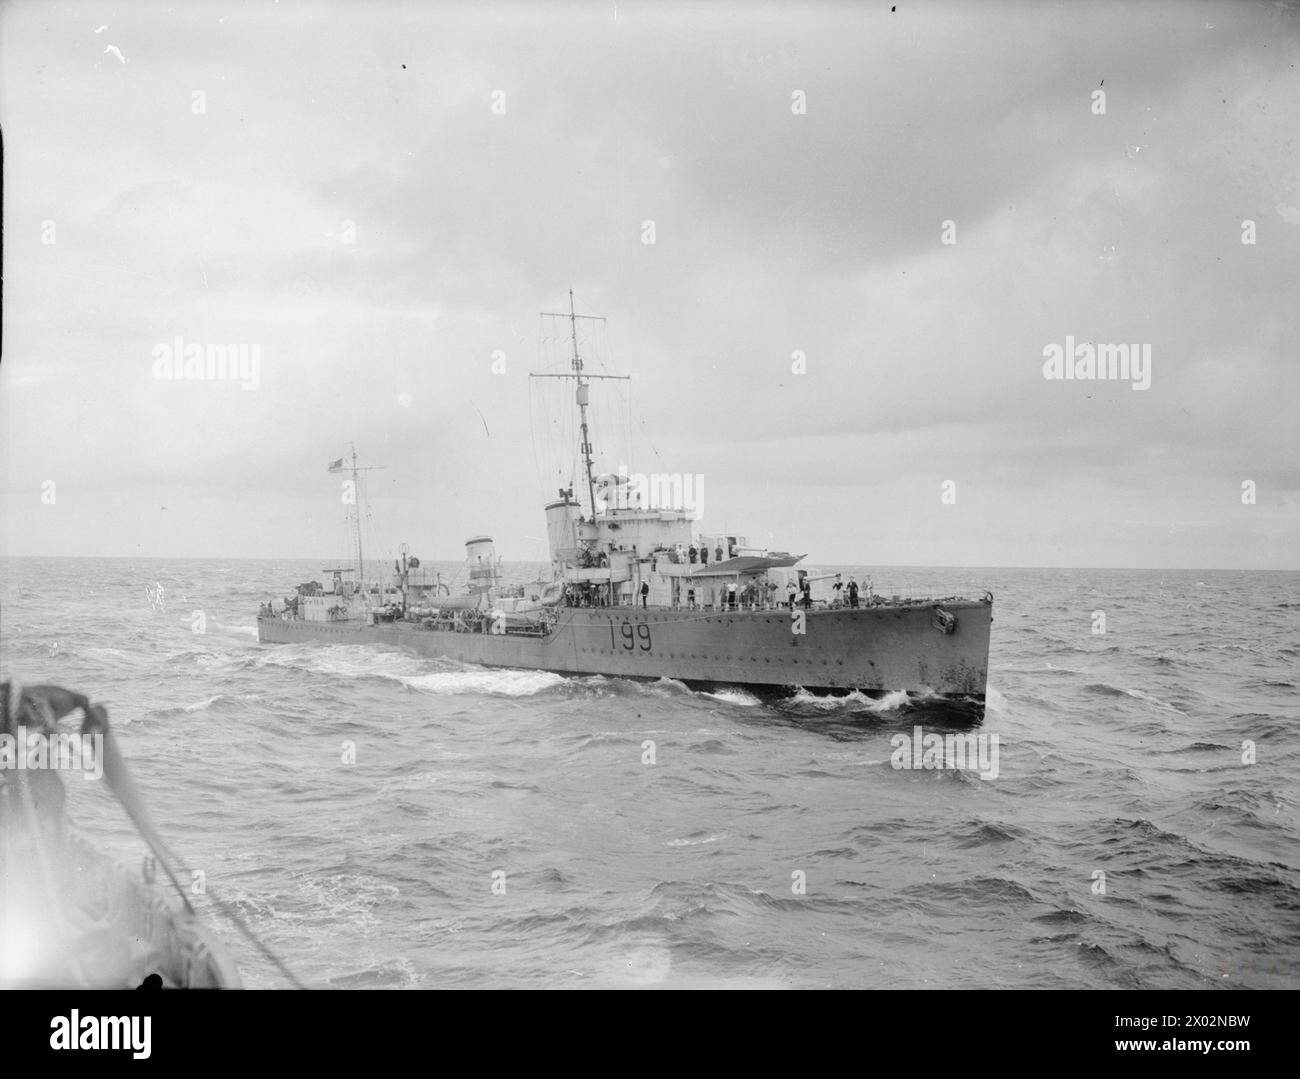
(838, 248)
(541, 561)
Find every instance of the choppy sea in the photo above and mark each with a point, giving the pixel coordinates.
(503, 828)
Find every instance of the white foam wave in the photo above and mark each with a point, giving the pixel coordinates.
(343, 661)
(357, 661)
(352, 897)
(889, 702)
(507, 683)
(851, 702)
(735, 696)
(1139, 695)
(693, 842)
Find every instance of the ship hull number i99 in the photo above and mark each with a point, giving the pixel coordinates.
(629, 636)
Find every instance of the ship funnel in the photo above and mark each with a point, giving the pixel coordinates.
(481, 556)
(562, 529)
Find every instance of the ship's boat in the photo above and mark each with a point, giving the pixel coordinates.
(71, 916)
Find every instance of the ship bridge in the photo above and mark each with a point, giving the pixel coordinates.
(624, 550)
(606, 558)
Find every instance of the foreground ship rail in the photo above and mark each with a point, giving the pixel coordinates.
(71, 917)
(640, 591)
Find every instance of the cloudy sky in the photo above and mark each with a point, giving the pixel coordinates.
(382, 197)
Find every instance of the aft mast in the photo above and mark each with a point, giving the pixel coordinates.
(337, 466)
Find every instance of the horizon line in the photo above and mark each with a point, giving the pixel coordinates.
(812, 562)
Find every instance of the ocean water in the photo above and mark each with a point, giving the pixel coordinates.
(1120, 763)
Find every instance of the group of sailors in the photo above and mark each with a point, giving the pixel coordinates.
(762, 594)
(583, 594)
(697, 553)
(729, 596)
(841, 594)
(288, 607)
(756, 594)
(700, 554)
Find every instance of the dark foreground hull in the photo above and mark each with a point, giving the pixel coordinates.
(85, 921)
(71, 916)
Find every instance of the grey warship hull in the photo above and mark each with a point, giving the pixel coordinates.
(874, 649)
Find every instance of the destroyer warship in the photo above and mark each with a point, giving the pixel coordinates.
(639, 591)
